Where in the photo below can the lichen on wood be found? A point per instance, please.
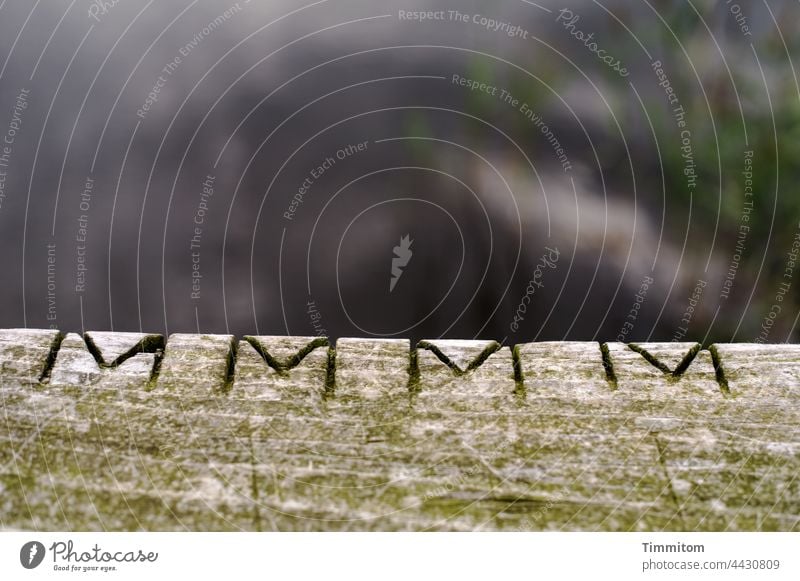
(202, 432)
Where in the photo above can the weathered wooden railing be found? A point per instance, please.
(120, 431)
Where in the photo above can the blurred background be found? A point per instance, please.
(511, 170)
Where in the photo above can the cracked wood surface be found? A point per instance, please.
(127, 431)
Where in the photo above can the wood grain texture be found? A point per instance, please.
(127, 432)
(25, 354)
(113, 360)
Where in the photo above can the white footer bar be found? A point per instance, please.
(389, 556)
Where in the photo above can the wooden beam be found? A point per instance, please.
(129, 432)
